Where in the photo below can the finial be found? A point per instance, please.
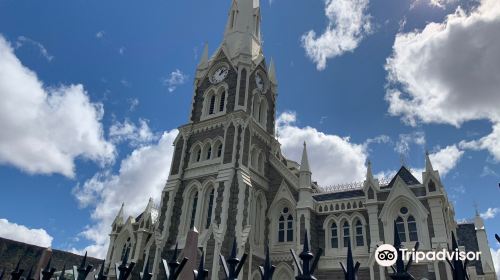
(304, 163)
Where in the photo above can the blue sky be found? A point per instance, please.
(110, 81)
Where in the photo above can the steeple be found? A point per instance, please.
(369, 174)
(272, 73)
(119, 217)
(242, 35)
(304, 163)
(428, 164)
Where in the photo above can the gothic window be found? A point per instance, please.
(211, 107)
(210, 208)
(371, 194)
(194, 205)
(285, 226)
(412, 228)
(126, 247)
(407, 226)
(320, 208)
(400, 224)
(346, 234)
(221, 101)
(348, 205)
(432, 186)
(334, 240)
(360, 241)
(207, 151)
(218, 146)
(261, 162)
(196, 154)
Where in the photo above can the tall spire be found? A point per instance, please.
(242, 35)
(428, 164)
(369, 174)
(119, 216)
(272, 72)
(304, 163)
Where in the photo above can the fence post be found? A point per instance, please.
(173, 269)
(235, 265)
(458, 268)
(307, 270)
(17, 273)
(401, 271)
(267, 270)
(352, 269)
(101, 275)
(124, 269)
(48, 271)
(83, 271)
(201, 273)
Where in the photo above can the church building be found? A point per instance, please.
(229, 179)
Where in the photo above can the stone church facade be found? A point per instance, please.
(229, 179)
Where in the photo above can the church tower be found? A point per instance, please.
(218, 181)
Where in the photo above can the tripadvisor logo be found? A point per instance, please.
(386, 255)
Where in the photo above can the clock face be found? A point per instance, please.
(220, 74)
(259, 81)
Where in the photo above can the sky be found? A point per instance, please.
(93, 91)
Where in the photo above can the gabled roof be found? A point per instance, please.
(338, 195)
(406, 176)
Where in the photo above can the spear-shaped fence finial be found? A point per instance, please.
(83, 270)
(306, 270)
(232, 267)
(497, 237)
(17, 273)
(48, 271)
(352, 269)
(100, 275)
(267, 271)
(174, 268)
(201, 273)
(124, 269)
(400, 272)
(458, 267)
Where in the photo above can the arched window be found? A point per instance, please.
(285, 226)
(335, 235)
(209, 153)
(432, 186)
(346, 234)
(400, 224)
(210, 208)
(194, 205)
(211, 107)
(255, 158)
(371, 194)
(261, 162)
(360, 241)
(196, 156)
(222, 100)
(218, 146)
(412, 228)
(320, 208)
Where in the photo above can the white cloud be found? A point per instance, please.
(141, 175)
(487, 171)
(446, 159)
(100, 34)
(496, 260)
(22, 40)
(21, 233)
(490, 213)
(333, 159)
(175, 79)
(449, 73)
(44, 129)
(128, 131)
(348, 24)
(405, 140)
